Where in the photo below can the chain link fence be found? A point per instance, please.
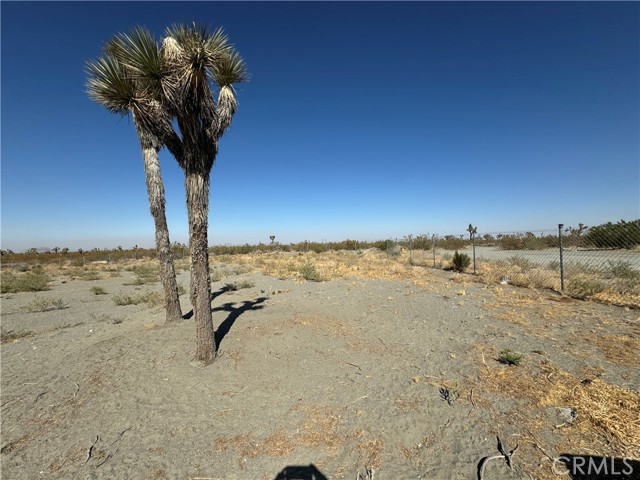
(602, 263)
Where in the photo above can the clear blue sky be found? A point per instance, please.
(361, 120)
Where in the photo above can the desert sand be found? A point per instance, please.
(353, 377)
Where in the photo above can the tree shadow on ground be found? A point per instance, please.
(214, 295)
(234, 313)
(300, 472)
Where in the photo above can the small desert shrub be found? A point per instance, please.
(10, 336)
(90, 275)
(460, 261)
(622, 270)
(98, 291)
(105, 317)
(45, 305)
(217, 275)
(449, 394)
(153, 299)
(239, 285)
(451, 242)
(520, 261)
(576, 268)
(28, 282)
(308, 271)
(393, 250)
(583, 287)
(508, 357)
(122, 300)
(238, 269)
(181, 289)
(528, 241)
(145, 274)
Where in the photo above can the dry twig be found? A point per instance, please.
(503, 454)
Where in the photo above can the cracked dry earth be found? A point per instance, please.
(398, 376)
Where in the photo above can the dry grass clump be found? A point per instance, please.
(623, 350)
(36, 281)
(604, 409)
(39, 304)
(535, 277)
(11, 336)
(277, 444)
(320, 428)
(152, 299)
(369, 452)
(370, 264)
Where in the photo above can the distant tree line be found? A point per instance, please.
(619, 235)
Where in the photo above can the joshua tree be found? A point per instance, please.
(121, 89)
(198, 63)
(177, 82)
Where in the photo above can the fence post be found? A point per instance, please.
(433, 248)
(560, 225)
(473, 240)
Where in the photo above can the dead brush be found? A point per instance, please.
(605, 410)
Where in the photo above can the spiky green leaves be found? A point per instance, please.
(230, 69)
(109, 84)
(139, 53)
(176, 80)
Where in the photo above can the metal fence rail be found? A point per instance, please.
(599, 263)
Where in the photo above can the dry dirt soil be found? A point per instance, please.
(347, 378)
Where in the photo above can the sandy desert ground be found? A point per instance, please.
(383, 370)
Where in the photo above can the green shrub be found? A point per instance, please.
(308, 271)
(451, 242)
(520, 261)
(622, 234)
(622, 270)
(98, 291)
(460, 261)
(393, 250)
(153, 299)
(145, 274)
(527, 241)
(583, 287)
(217, 275)
(27, 282)
(508, 357)
(45, 305)
(239, 285)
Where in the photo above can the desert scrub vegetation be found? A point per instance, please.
(622, 234)
(308, 271)
(460, 261)
(105, 317)
(144, 274)
(239, 285)
(508, 357)
(135, 299)
(11, 336)
(45, 305)
(98, 291)
(36, 281)
(527, 241)
(151, 298)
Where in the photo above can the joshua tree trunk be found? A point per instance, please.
(155, 191)
(197, 190)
